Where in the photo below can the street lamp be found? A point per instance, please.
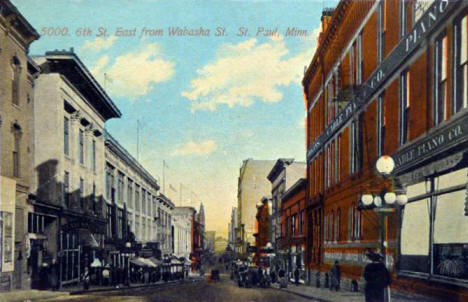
(385, 199)
(384, 202)
(127, 253)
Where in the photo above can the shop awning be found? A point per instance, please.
(138, 261)
(87, 239)
(96, 263)
(155, 261)
(37, 236)
(148, 262)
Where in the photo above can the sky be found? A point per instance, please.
(203, 104)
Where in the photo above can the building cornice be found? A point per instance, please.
(120, 151)
(336, 19)
(12, 18)
(299, 185)
(69, 64)
(278, 167)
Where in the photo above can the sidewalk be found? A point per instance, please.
(77, 290)
(325, 295)
(41, 295)
(30, 295)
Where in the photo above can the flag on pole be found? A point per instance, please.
(165, 164)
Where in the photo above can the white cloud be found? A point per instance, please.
(193, 148)
(100, 43)
(99, 68)
(134, 74)
(248, 71)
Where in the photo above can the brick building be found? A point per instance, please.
(262, 227)
(18, 73)
(390, 77)
(293, 228)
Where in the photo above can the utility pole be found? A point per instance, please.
(180, 194)
(164, 177)
(138, 139)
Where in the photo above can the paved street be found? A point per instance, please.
(225, 291)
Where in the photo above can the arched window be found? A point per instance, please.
(337, 224)
(351, 222)
(357, 224)
(15, 81)
(325, 228)
(16, 129)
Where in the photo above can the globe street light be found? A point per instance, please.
(385, 165)
(385, 201)
(127, 253)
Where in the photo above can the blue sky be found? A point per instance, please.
(204, 103)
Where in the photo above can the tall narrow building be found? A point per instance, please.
(17, 77)
(69, 164)
(252, 186)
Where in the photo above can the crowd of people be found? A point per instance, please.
(110, 275)
(375, 274)
(249, 276)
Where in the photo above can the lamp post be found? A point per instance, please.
(127, 253)
(384, 203)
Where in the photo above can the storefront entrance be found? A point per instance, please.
(69, 255)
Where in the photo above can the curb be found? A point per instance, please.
(111, 289)
(301, 294)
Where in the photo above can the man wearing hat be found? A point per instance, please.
(377, 278)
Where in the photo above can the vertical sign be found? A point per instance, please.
(7, 212)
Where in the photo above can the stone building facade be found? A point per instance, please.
(165, 228)
(18, 73)
(68, 186)
(252, 186)
(183, 225)
(282, 176)
(131, 203)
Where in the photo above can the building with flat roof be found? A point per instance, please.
(252, 186)
(390, 78)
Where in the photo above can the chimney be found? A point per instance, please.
(326, 21)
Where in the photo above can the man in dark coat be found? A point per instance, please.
(53, 275)
(335, 276)
(296, 276)
(377, 278)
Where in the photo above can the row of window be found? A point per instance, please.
(293, 225)
(67, 196)
(81, 145)
(349, 72)
(147, 204)
(332, 225)
(443, 108)
(117, 227)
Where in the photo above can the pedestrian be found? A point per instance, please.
(86, 279)
(377, 278)
(106, 275)
(273, 276)
(296, 276)
(335, 276)
(53, 278)
(43, 275)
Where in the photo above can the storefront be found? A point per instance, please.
(434, 231)
(433, 245)
(81, 242)
(7, 231)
